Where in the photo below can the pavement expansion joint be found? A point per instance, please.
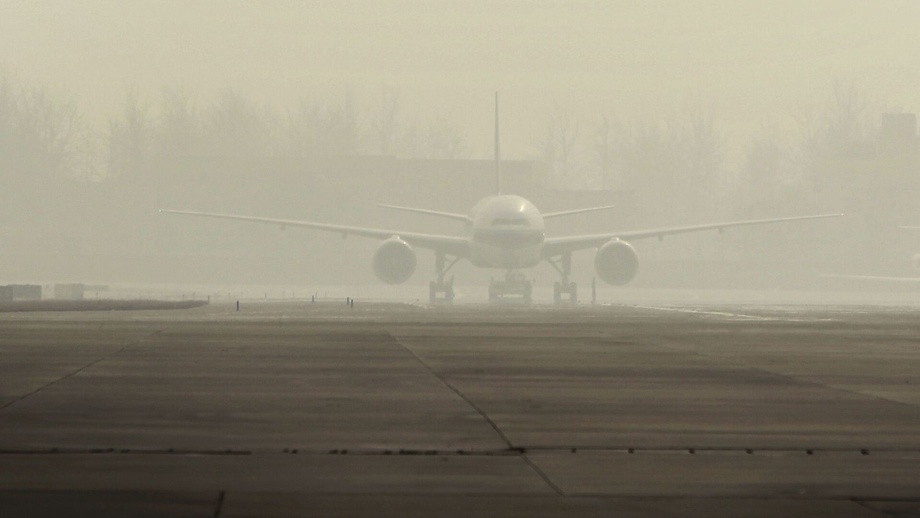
(710, 449)
(83, 368)
(219, 506)
(121, 451)
(504, 452)
(456, 391)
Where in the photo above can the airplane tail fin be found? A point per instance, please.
(498, 153)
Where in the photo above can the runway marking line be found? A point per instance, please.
(732, 316)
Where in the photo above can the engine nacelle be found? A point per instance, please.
(616, 262)
(915, 262)
(394, 261)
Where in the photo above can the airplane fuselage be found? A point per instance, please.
(506, 231)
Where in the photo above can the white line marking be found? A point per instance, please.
(733, 316)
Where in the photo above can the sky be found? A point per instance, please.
(747, 60)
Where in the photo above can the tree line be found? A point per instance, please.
(679, 164)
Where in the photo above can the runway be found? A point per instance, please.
(300, 409)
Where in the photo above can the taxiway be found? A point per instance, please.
(299, 409)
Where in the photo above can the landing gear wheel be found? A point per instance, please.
(440, 286)
(445, 289)
(563, 265)
(560, 289)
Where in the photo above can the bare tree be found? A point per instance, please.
(605, 147)
(829, 142)
(763, 171)
(179, 129)
(45, 133)
(701, 151)
(442, 140)
(89, 155)
(558, 148)
(848, 122)
(322, 130)
(301, 130)
(339, 131)
(236, 127)
(651, 163)
(129, 138)
(386, 123)
(8, 116)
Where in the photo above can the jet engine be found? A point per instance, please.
(616, 262)
(394, 261)
(915, 262)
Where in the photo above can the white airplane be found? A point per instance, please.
(505, 232)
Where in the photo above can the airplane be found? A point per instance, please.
(503, 231)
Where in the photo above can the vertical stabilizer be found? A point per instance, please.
(498, 153)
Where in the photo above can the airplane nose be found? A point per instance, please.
(509, 238)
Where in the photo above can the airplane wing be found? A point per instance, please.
(450, 215)
(464, 217)
(458, 246)
(561, 245)
(550, 215)
(874, 278)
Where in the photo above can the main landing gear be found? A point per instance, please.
(441, 291)
(565, 287)
(515, 285)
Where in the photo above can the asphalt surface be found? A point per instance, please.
(300, 409)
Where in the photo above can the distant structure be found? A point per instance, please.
(879, 190)
(70, 291)
(13, 292)
(75, 291)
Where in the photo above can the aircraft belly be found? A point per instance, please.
(487, 256)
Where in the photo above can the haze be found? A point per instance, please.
(753, 74)
(747, 58)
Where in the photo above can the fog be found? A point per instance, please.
(676, 112)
